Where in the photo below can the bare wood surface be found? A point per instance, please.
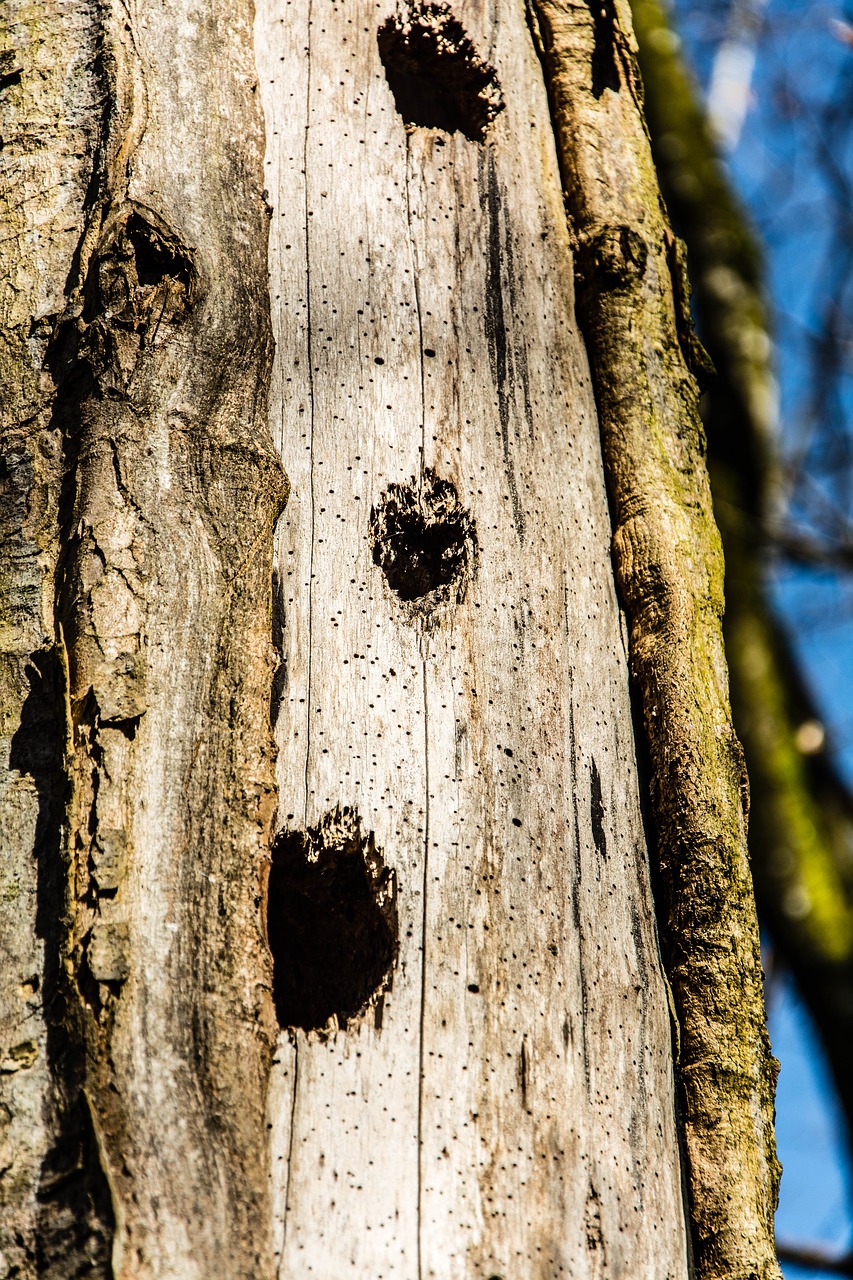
(513, 1113)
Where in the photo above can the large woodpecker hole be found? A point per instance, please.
(331, 923)
(438, 79)
(423, 539)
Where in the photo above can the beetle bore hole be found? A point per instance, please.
(331, 922)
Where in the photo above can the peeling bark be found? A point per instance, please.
(54, 1214)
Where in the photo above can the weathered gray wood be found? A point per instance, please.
(514, 1114)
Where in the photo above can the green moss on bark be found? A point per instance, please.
(669, 570)
(801, 822)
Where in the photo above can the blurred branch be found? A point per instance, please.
(801, 820)
(799, 548)
(731, 75)
(814, 1259)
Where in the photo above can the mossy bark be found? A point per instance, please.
(632, 305)
(801, 822)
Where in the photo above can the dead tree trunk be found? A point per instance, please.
(454, 673)
(457, 1059)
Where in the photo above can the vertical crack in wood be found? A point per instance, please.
(310, 355)
(424, 883)
(424, 641)
(280, 1271)
(496, 327)
(310, 646)
(418, 313)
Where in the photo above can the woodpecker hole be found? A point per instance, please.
(435, 74)
(331, 923)
(423, 539)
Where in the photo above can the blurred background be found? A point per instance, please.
(750, 108)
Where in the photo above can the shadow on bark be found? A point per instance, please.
(75, 1214)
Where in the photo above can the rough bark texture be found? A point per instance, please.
(149, 631)
(452, 669)
(49, 1203)
(475, 1076)
(801, 816)
(633, 307)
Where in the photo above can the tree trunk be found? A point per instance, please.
(512, 1112)
(139, 992)
(473, 1071)
(801, 818)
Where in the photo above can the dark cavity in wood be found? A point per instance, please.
(331, 922)
(423, 539)
(140, 272)
(435, 74)
(605, 68)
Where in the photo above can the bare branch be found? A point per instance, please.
(815, 1258)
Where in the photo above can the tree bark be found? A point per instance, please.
(472, 1072)
(146, 632)
(801, 816)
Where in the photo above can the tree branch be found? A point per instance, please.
(815, 1259)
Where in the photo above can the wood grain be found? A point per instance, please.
(513, 1115)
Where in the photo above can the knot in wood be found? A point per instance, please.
(612, 258)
